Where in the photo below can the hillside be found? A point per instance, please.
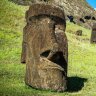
(11, 26)
(77, 11)
(82, 57)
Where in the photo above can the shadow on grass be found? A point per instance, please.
(75, 84)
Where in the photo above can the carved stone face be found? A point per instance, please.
(93, 34)
(46, 52)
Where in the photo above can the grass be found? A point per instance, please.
(81, 66)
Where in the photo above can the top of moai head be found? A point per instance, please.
(45, 9)
(94, 26)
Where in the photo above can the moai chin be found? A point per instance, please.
(45, 48)
(93, 34)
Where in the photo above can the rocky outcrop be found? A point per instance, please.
(79, 32)
(79, 11)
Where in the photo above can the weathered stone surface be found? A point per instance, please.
(93, 34)
(46, 48)
(79, 32)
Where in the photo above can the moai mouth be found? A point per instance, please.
(46, 47)
(56, 58)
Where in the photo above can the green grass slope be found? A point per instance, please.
(82, 54)
(11, 25)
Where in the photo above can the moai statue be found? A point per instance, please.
(93, 34)
(45, 48)
(79, 32)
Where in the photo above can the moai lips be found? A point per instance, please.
(46, 48)
(93, 34)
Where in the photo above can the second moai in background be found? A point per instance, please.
(93, 34)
